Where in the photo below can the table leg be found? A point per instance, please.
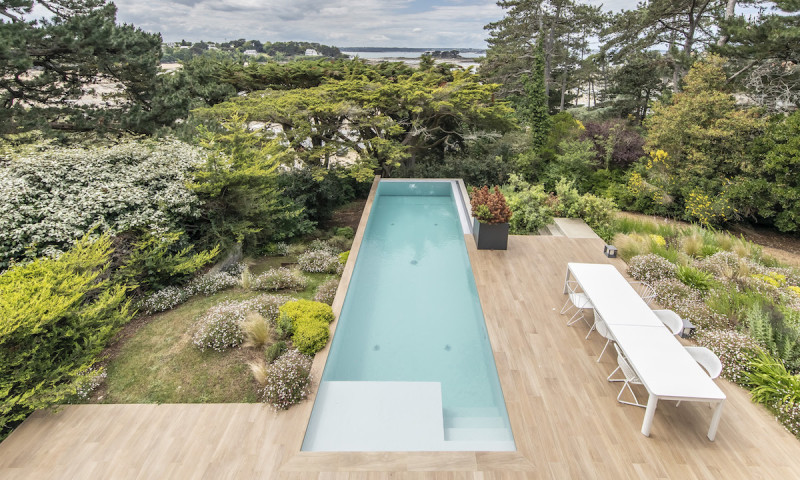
(712, 430)
(566, 280)
(649, 413)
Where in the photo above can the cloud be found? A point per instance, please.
(411, 23)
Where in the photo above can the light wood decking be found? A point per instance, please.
(566, 421)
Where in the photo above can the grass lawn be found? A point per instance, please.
(157, 362)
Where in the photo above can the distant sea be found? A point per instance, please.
(412, 57)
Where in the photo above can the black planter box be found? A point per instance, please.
(490, 236)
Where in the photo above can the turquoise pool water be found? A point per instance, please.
(412, 314)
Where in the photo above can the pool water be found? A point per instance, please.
(412, 314)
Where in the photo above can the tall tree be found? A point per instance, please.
(678, 25)
(561, 26)
(763, 50)
(532, 106)
(76, 70)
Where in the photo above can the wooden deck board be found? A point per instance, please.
(563, 412)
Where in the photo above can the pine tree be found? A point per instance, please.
(49, 67)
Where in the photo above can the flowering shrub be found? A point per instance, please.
(319, 261)
(51, 198)
(268, 306)
(213, 283)
(320, 246)
(279, 279)
(722, 265)
(326, 291)
(287, 380)
(687, 302)
(220, 327)
(650, 268)
(735, 351)
(164, 299)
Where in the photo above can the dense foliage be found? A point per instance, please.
(51, 197)
(56, 316)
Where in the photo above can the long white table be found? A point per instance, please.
(612, 296)
(662, 364)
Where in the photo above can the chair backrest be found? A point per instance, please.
(601, 327)
(624, 366)
(671, 320)
(707, 359)
(645, 291)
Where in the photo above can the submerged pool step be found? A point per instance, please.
(482, 435)
(474, 422)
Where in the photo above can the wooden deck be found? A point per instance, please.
(566, 421)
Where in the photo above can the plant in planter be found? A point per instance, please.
(492, 214)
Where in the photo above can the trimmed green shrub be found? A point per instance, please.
(343, 257)
(309, 324)
(310, 335)
(529, 204)
(297, 309)
(56, 316)
(284, 326)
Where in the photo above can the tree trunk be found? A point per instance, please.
(563, 90)
(730, 7)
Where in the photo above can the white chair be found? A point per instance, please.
(602, 329)
(630, 378)
(707, 359)
(645, 291)
(671, 320)
(577, 300)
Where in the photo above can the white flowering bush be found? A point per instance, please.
(650, 268)
(319, 261)
(268, 306)
(210, 284)
(220, 327)
(164, 299)
(321, 246)
(687, 302)
(327, 291)
(723, 264)
(281, 278)
(735, 350)
(287, 380)
(51, 198)
(788, 413)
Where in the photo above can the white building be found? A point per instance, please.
(250, 52)
(310, 52)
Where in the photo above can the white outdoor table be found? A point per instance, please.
(613, 297)
(667, 371)
(663, 365)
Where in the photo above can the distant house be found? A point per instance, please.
(213, 47)
(250, 52)
(310, 52)
(184, 47)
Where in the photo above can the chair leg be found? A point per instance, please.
(604, 350)
(566, 306)
(615, 379)
(591, 329)
(635, 400)
(577, 316)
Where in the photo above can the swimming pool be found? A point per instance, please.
(410, 366)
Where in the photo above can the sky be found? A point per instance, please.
(342, 23)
